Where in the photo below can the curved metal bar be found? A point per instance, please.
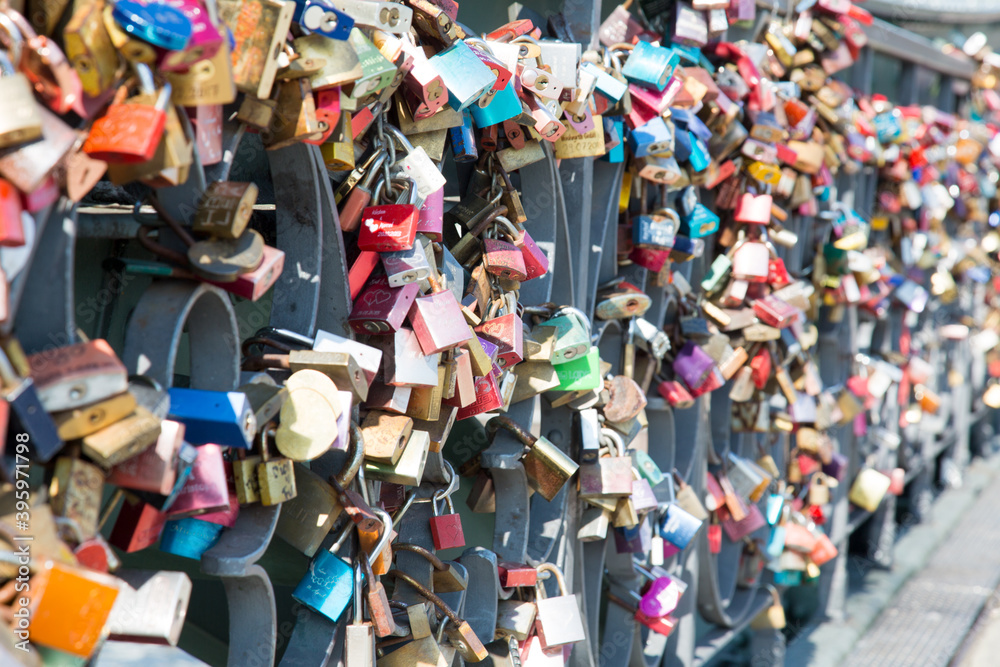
(334, 292)
(39, 322)
(18, 283)
(252, 619)
(484, 587)
(154, 332)
(719, 600)
(299, 225)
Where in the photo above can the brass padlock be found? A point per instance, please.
(275, 477)
(548, 468)
(225, 209)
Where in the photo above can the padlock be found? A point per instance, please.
(515, 618)
(225, 209)
(869, 487)
(205, 490)
(359, 639)
(406, 266)
(72, 376)
(325, 18)
(87, 419)
(446, 530)
(126, 438)
(409, 468)
(611, 475)
(131, 129)
(548, 468)
(78, 628)
(464, 74)
(308, 424)
(679, 526)
(89, 48)
(558, 621)
(189, 537)
(657, 231)
(151, 607)
(385, 435)
(76, 493)
(507, 332)
(753, 209)
(259, 28)
(275, 477)
(380, 308)
(223, 418)
(388, 227)
(772, 618)
(328, 585)
(650, 66)
(437, 320)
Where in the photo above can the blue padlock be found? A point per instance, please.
(775, 542)
(635, 540)
(700, 223)
(189, 537)
(656, 232)
(322, 17)
(465, 76)
(887, 126)
(775, 504)
(699, 158)
(788, 578)
(463, 140)
(613, 129)
(686, 248)
(219, 417)
(154, 22)
(495, 107)
(682, 145)
(655, 137)
(328, 586)
(685, 119)
(607, 85)
(679, 526)
(650, 66)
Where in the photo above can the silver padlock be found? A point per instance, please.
(559, 619)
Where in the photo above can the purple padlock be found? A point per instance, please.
(636, 540)
(661, 598)
(693, 365)
(737, 530)
(837, 467)
(205, 42)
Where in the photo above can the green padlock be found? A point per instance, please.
(580, 374)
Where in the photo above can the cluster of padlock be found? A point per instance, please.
(726, 145)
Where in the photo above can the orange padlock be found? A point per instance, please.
(70, 607)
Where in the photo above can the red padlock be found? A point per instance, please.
(753, 209)
(487, 398)
(507, 331)
(760, 367)
(390, 227)
(714, 535)
(131, 129)
(11, 229)
(502, 258)
(446, 529)
(777, 274)
(676, 394)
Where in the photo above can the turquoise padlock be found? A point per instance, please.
(650, 66)
(788, 578)
(189, 537)
(496, 107)
(328, 586)
(775, 542)
(775, 503)
(699, 158)
(464, 75)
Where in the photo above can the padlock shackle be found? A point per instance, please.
(431, 557)
(293, 336)
(428, 594)
(355, 456)
(264, 340)
(512, 427)
(557, 573)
